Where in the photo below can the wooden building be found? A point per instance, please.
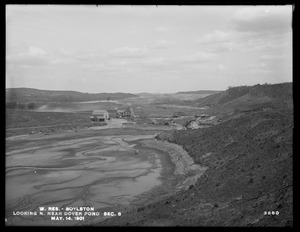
(99, 115)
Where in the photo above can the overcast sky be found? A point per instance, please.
(147, 48)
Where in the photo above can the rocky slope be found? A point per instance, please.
(250, 173)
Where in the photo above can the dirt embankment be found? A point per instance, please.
(184, 164)
(250, 174)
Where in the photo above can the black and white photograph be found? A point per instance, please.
(149, 115)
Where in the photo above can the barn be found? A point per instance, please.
(99, 115)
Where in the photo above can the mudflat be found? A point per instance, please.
(109, 171)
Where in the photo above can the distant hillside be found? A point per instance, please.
(200, 92)
(249, 94)
(25, 95)
(180, 98)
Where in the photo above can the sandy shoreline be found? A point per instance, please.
(179, 178)
(184, 164)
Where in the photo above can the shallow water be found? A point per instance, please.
(99, 172)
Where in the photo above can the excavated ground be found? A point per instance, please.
(250, 173)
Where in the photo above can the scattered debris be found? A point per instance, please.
(206, 155)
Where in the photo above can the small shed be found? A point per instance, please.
(192, 125)
(178, 114)
(99, 115)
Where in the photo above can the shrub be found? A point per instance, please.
(11, 105)
(21, 106)
(30, 106)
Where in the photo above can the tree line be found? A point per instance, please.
(21, 106)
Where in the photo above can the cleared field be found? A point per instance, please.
(153, 111)
(24, 118)
(19, 122)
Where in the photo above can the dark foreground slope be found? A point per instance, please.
(250, 160)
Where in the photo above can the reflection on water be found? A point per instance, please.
(97, 172)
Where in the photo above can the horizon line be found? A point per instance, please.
(143, 91)
(115, 91)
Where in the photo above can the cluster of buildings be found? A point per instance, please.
(103, 115)
(202, 121)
